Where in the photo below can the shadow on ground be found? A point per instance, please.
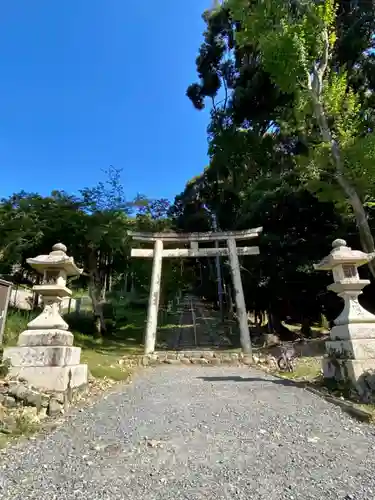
(278, 381)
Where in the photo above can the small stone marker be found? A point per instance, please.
(351, 348)
(45, 355)
(5, 289)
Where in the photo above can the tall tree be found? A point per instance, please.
(93, 225)
(264, 148)
(103, 243)
(298, 44)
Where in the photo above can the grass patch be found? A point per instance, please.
(367, 407)
(316, 329)
(104, 365)
(25, 425)
(102, 355)
(127, 339)
(116, 373)
(306, 369)
(16, 423)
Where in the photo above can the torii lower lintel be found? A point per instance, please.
(189, 252)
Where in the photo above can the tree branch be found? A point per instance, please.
(214, 105)
(226, 94)
(325, 58)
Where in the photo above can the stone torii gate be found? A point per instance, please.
(193, 239)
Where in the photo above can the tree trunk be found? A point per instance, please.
(306, 330)
(230, 301)
(258, 317)
(132, 288)
(364, 230)
(97, 307)
(110, 280)
(274, 323)
(275, 327)
(104, 288)
(96, 292)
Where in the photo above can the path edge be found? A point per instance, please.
(347, 406)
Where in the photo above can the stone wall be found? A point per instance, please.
(18, 393)
(205, 357)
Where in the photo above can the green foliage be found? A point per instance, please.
(103, 355)
(120, 306)
(297, 43)
(16, 323)
(113, 372)
(268, 163)
(4, 367)
(94, 226)
(82, 322)
(25, 425)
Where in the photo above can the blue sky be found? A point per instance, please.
(90, 83)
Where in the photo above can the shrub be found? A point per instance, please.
(82, 322)
(119, 304)
(108, 311)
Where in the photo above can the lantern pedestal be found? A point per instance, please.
(354, 371)
(351, 348)
(350, 352)
(50, 337)
(45, 355)
(49, 378)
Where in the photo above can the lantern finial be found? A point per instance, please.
(339, 243)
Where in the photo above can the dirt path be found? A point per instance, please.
(198, 433)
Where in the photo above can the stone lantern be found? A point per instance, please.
(351, 347)
(45, 355)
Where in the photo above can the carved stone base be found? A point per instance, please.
(51, 337)
(46, 359)
(351, 349)
(353, 371)
(43, 355)
(52, 378)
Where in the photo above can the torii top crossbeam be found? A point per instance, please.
(187, 237)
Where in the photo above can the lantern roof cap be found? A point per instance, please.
(341, 254)
(57, 260)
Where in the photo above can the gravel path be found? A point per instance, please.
(198, 433)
